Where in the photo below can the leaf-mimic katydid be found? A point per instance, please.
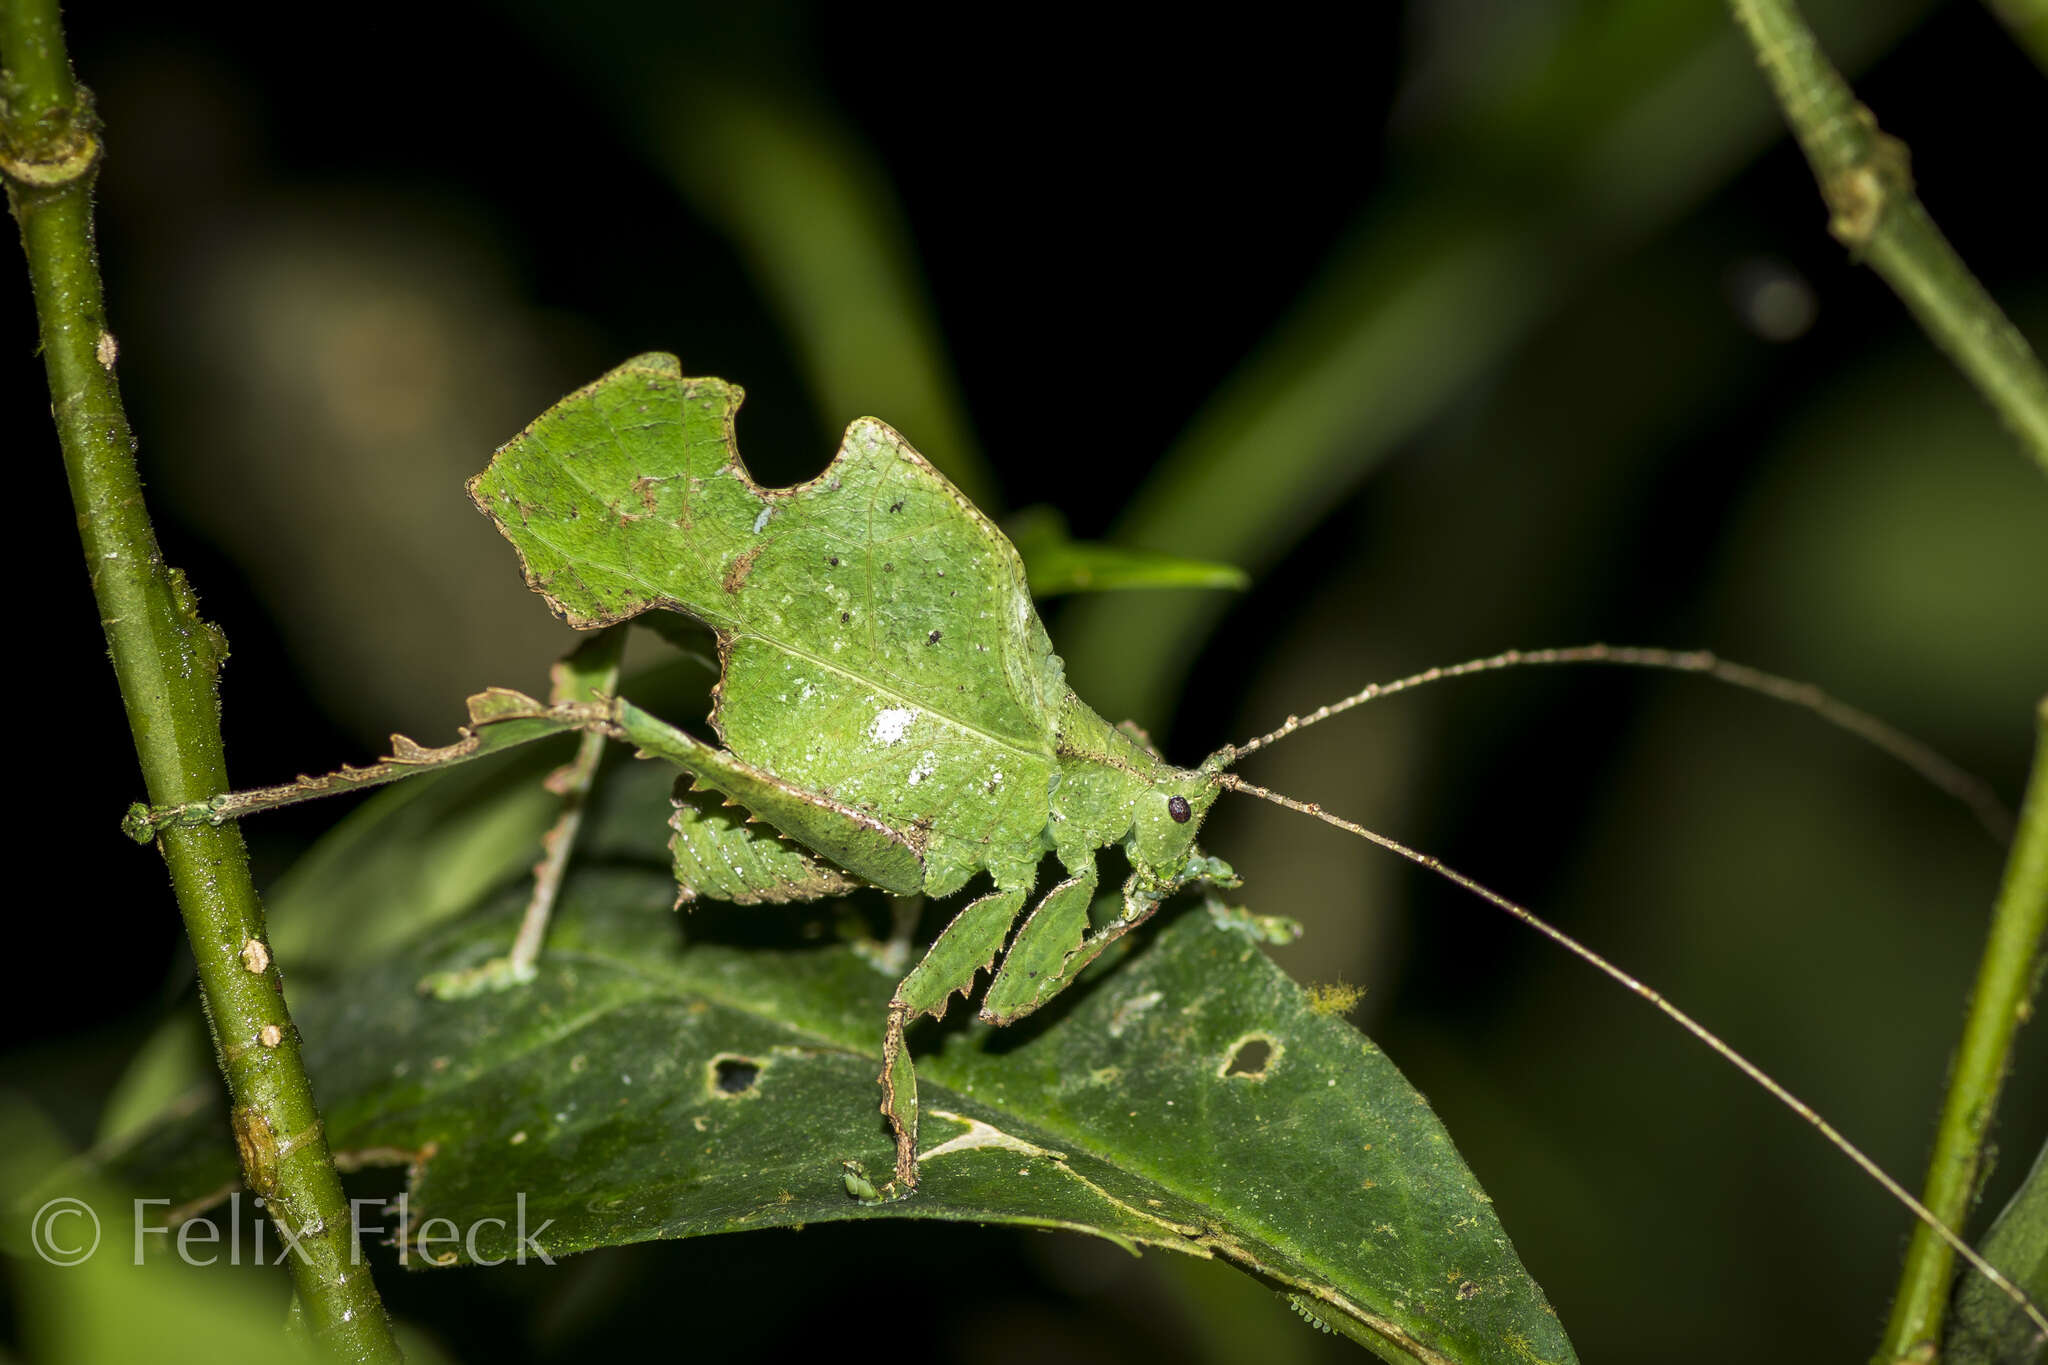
(890, 711)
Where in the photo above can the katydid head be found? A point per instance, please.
(1169, 817)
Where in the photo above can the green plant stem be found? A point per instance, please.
(2001, 1000)
(167, 660)
(1864, 178)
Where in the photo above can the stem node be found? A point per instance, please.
(58, 148)
(1859, 193)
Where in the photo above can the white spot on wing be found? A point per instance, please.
(889, 725)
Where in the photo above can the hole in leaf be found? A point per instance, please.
(732, 1076)
(1250, 1057)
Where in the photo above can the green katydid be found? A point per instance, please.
(891, 712)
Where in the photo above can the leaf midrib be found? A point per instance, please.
(1239, 1218)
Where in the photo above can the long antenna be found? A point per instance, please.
(1232, 782)
(1937, 770)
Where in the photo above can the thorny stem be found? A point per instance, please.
(1930, 765)
(166, 659)
(1864, 178)
(2000, 1002)
(1777, 1091)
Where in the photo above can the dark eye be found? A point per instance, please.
(1177, 807)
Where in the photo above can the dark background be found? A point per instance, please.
(345, 262)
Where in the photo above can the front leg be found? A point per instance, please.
(1056, 943)
(1142, 899)
(1036, 967)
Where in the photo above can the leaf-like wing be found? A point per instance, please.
(640, 1088)
(877, 633)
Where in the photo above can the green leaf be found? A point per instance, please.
(1988, 1328)
(1056, 563)
(646, 1087)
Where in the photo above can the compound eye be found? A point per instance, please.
(1177, 807)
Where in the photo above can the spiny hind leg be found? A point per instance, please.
(968, 945)
(589, 673)
(1140, 904)
(720, 851)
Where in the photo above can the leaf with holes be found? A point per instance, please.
(1191, 1100)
